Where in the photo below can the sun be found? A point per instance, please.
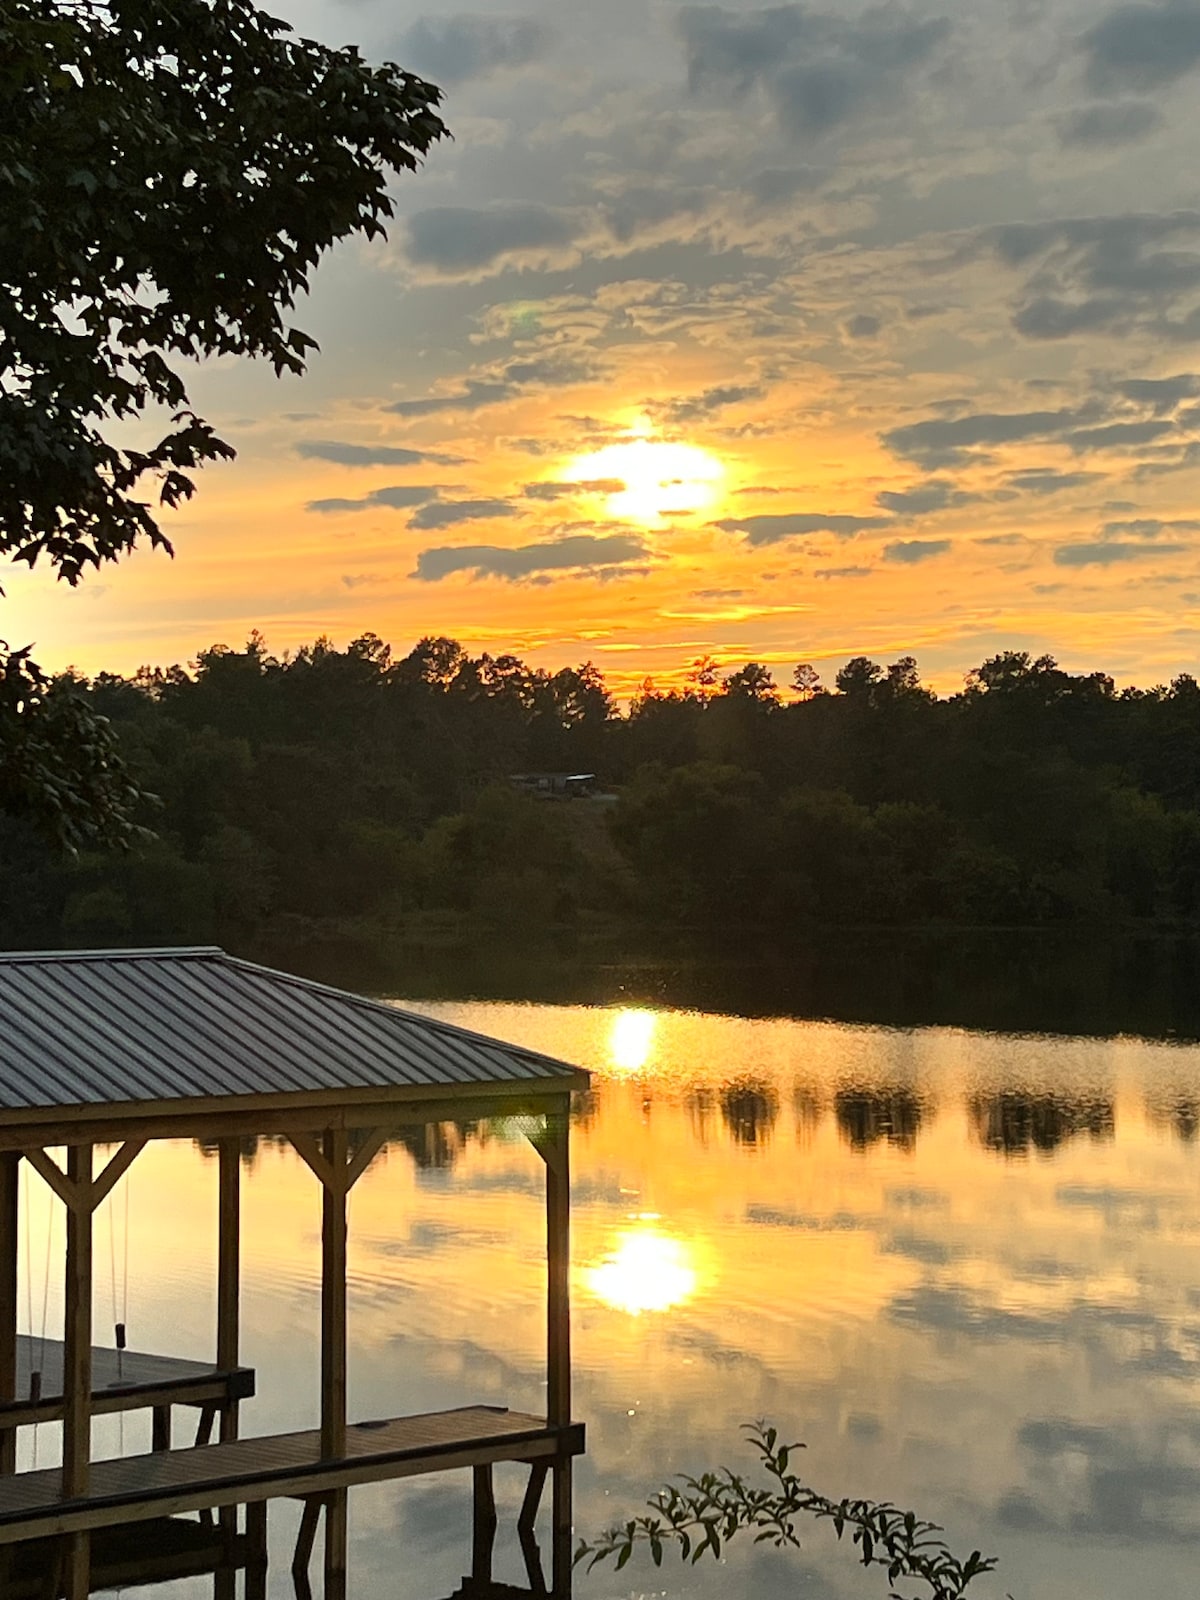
(646, 1270)
(659, 477)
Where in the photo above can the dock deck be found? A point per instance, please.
(138, 1488)
(164, 1551)
(122, 1380)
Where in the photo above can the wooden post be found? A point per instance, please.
(10, 1172)
(333, 1352)
(558, 1332)
(483, 1526)
(229, 1273)
(77, 1359)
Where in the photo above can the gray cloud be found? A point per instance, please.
(1046, 480)
(1108, 125)
(775, 186)
(947, 441)
(371, 455)
(910, 551)
(861, 326)
(460, 241)
(1142, 47)
(935, 494)
(1161, 394)
(697, 406)
(397, 497)
(820, 70)
(448, 513)
(843, 572)
(1107, 553)
(452, 49)
(602, 556)
(1116, 436)
(771, 529)
(475, 394)
(549, 490)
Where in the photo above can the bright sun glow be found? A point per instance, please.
(658, 478)
(631, 1040)
(646, 1271)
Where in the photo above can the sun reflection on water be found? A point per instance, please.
(631, 1040)
(646, 1270)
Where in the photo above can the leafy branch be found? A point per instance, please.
(698, 1514)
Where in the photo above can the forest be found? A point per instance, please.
(355, 794)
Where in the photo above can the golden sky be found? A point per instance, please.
(787, 333)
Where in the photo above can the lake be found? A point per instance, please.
(962, 1266)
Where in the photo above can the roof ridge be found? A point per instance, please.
(160, 953)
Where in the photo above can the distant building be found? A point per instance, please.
(555, 785)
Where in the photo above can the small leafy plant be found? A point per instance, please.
(699, 1514)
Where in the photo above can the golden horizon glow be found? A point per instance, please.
(647, 1270)
(660, 477)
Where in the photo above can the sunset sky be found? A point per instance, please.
(785, 332)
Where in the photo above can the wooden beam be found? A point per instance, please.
(365, 1154)
(483, 1524)
(309, 1151)
(211, 1119)
(52, 1174)
(337, 1509)
(229, 1272)
(10, 1175)
(556, 1150)
(333, 1299)
(116, 1169)
(77, 1357)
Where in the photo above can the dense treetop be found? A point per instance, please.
(352, 788)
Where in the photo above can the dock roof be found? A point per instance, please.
(191, 1028)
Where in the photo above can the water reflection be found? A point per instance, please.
(749, 1111)
(867, 1115)
(1016, 1123)
(631, 1040)
(646, 1270)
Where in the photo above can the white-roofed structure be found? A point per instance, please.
(119, 1047)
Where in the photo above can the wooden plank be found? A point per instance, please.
(77, 1325)
(53, 1175)
(333, 1298)
(10, 1178)
(137, 1488)
(229, 1272)
(365, 1154)
(122, 1380)
(558, 1343)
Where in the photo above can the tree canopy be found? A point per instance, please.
(171, 172)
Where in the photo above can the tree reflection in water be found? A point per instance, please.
(867, 1114)
(1015, 1122)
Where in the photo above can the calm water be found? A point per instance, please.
(962, 1266)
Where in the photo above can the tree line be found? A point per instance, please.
(357, 791)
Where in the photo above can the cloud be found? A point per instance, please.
(448, 513)
(1109, 125)
(1161, 394)
(1117, 436)
(462, 242)
(910, 551)
(475, 394)
(548, 490)
(1150, 527)
(861, 326)
(370, 455)
(775, 186)
(771, 529)
(819, 70)
(1142, 47)
(693, 408)
(947, 441)
(935, 494)
(1047, 480)
(452, 49)
(398, 497)
(1107, 553)
(843, 572)
(604, 556)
